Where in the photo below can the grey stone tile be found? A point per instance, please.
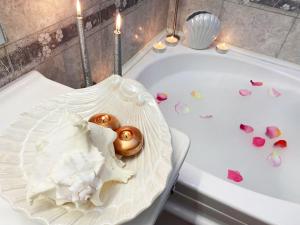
(51, 42)
(292, 11)
(286, 5)
(23, 17)
(54, 69)
(188, 6)
(138, 32)
(291, 48)
(73, 67)
(100, 50)
(5, 68)
(106, 61)
(254, 29)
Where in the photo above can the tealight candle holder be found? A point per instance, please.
(222, 48)
(105, 120)
(159, 47)
(172, 40)
(129, 141)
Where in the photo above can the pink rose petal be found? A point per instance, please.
(182, 108)
(275, 93)
(275, 159)
(245, 92)
(246, 128)
(256, 83)
(258, 141)
(273, 132)
(161, 96)
(206, 116)
(234, 175)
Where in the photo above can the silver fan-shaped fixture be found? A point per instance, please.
(201, 29)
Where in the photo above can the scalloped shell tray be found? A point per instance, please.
(132, 104)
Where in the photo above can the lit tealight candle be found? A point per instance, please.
(172, 40)
(222, 48)
(159, 47)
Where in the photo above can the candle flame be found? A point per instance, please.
(78, 8)
(118, 22)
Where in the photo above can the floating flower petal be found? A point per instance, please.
(196, 95)
(280, 144)
(256, 83)
(275, 159)
(246, 128)
(161, 97)
(206, 116)
(234, 175)
(258, 141)
(245, 92)
(273, 132)
(182, 108)
(274, 93)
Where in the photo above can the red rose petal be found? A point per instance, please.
(234, 175)
(258, 141)
(256, 83)
(161, 97)
(280, 144)
(246, 128)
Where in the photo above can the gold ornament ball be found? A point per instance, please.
(129, 141)
(105, 120)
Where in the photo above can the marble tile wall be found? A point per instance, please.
(43, 36)
(270, 27)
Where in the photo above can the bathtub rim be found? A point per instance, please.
(266, 208)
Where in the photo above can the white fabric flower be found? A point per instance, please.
(44, 38)
(285, 7)
(59, 35)
(46, 51)
(89, 25)
(118, 3)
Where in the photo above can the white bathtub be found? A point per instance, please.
(267, 194)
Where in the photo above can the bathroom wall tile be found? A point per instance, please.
(286, 5)
(54, 69)
(291, 11)
(104, 66)
(54, 49)
(254, 29)
(291, 48)
(23, 17)
(188, 6)
(5, 68)
(73, 67)
(158, 15)
(100, 51)
(141, 31)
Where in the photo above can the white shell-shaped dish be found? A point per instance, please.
(201, 29)
(131, 104)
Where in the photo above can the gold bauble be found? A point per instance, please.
(105, 120)
(129, 141)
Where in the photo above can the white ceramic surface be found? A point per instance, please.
(267, 193)
(132, 104)
(200, 30)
